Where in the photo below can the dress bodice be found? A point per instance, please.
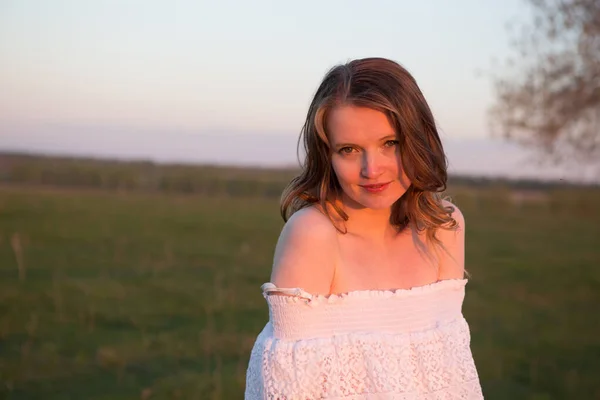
(369, 344)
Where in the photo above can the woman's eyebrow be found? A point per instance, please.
(387, 137)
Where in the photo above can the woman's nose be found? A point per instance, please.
(372, 165)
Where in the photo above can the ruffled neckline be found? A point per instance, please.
(298, 294)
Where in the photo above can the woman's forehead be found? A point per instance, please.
(351, 123)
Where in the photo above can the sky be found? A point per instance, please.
(230, 81)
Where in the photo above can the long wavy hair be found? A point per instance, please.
(382, 85)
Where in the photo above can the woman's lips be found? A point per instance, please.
(377, 188)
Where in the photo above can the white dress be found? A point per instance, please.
(368, 344)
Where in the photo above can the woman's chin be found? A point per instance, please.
(362, 198)
(378, 205)
(374, 203)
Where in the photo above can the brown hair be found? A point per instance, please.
(382, 85)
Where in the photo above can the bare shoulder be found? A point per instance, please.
(452, 260)
(306, 252)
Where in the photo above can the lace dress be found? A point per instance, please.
(372, 344)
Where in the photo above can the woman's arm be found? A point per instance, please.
(452, 257)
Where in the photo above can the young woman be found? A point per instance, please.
(368, 279)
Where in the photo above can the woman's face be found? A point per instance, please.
(366, 157)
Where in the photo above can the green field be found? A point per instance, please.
(128, 295)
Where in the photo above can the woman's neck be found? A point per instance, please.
(367, 223)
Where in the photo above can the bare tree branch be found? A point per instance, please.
(549, 96)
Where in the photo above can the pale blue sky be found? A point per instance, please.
(236, 65)
(168, 80)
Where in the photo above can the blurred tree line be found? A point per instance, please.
(141, 176)
(39, 170)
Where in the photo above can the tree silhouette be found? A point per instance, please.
(548, 97)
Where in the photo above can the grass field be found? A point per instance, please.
(147, 296)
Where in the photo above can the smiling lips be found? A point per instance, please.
(376, 188)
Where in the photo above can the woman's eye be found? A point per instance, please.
(346, 150)
(391, 143)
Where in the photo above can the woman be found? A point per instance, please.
(368, 280)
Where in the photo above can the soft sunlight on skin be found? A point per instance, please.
(366, 158)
